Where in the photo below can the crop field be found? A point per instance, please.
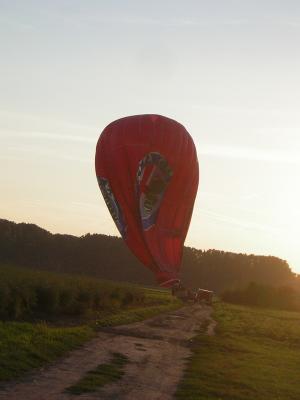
(28, 293)
(254, 354)
(44, 315)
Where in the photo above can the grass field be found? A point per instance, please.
(255, 355)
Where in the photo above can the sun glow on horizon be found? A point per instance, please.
(231, 77)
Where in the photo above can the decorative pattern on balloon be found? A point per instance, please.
(112, 205)
(152, 179)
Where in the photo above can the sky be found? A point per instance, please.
(227, 70)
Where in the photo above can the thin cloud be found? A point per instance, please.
(142, 20)
(214, 108)
(238, 223)
(39, 120)
(19, 152)
(86, 205)
(248, 153)
(132, 20)
(225, 199)
(16, 24)
(52, 136)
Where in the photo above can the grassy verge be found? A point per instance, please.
(155, 303)
(24, 346)
(254, 355)
(105, 373)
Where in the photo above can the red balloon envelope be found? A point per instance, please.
(147, 170)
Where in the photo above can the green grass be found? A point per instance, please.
(254, 355)
(154, 304)
(24, 346)
(105, 373)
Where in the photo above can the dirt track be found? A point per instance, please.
(157, 349)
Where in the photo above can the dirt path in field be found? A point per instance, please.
(157, 350)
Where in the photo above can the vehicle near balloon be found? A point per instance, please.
(204, 296)
(147, 171)
(201, 296)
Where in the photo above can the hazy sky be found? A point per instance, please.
(227, 70)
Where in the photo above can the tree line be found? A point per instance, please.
(107, 257)
(259, 295)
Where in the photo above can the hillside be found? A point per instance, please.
(108, 257)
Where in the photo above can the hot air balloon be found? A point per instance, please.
(147, 171)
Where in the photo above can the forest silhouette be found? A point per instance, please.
(107, 257)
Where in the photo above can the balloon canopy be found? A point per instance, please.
(147, 170)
